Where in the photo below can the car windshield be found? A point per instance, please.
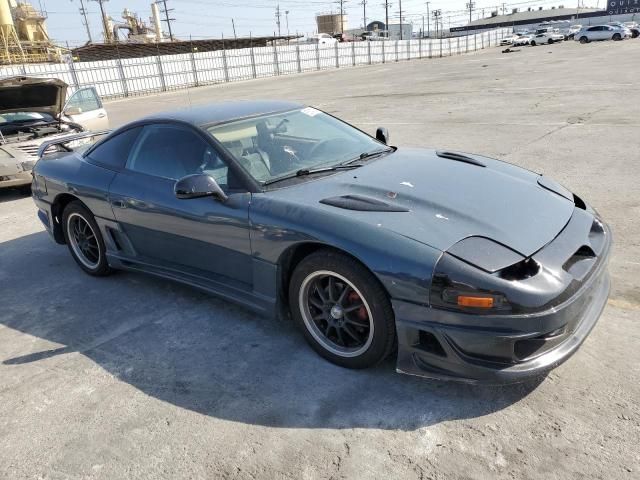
(25, 117)
(278, 145)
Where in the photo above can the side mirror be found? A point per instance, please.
(73, 111)
(198, 185)
(382, 134)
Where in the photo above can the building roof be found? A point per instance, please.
(534, 15)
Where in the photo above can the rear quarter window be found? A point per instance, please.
(113, 152)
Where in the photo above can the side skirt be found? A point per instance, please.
(258, 303)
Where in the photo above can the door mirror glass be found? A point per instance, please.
(382, 135)
(198, 185)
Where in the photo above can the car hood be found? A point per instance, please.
(27, 94)
(440, 201)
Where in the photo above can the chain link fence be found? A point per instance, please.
(141, 76)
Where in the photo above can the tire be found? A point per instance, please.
(550, 41)
(533, 43)
(344, 313)
(616, 37)
(584, 40)
(84, 239)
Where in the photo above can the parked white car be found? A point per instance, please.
(602, 32)
(573, 29)
(546, 36)
(323, 39)
(523, 40)
(509, 40)
(33, 111)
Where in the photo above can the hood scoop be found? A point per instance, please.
(362, 204)
(459, 157)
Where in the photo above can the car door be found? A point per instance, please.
(85, 108)
(200, 236)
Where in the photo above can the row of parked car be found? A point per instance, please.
(583, 34)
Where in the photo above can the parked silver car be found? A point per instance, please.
(602, 32)
(32, 111)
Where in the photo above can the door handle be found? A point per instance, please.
(119, 204)
(101, 115)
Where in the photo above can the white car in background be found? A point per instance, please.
(573, 29)
(33, 111)
(509, 40)
(323, 39)
(546, 36)
(602, 32)
(523, 40)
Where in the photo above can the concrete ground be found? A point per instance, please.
(134, 377)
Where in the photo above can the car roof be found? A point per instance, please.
(222, 112)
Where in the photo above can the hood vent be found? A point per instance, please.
(459, 157)
(362, 204)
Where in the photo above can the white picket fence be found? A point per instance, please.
(146, 75)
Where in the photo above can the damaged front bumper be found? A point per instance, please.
(500, 349)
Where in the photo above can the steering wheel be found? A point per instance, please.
(325, 145)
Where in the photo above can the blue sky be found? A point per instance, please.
(212, 18)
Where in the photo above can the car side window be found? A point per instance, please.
(86, 100)
(114, 151)
(173, 152)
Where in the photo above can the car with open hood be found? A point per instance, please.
(468, 267)
(33, 110)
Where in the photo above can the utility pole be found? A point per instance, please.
(386, 6)
(233, 24)
(364, 13)
(428, 20)
(436, 16)
(105, 26)
(168, 20)
(470, 7)
(504, 8)
(342, 2)
(278, 19)
(85, 22)
(400, 5)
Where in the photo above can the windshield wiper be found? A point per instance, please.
(311, 171)
(367, 155)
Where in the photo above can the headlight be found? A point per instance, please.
(478, 275)
(28, 165)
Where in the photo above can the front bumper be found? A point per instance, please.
(15, 180)
(499, 349)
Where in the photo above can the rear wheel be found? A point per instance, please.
(84, 240)
(342, 310)
(584, 40)
(617, 37)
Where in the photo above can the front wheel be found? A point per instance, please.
(550, 41)
(617, 37)
(84, 240)
(342, 310)
(533, 43)
(584, 40)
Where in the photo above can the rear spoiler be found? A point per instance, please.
(44, 146)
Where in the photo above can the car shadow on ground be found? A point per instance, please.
(203, 354)
(10, 194)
